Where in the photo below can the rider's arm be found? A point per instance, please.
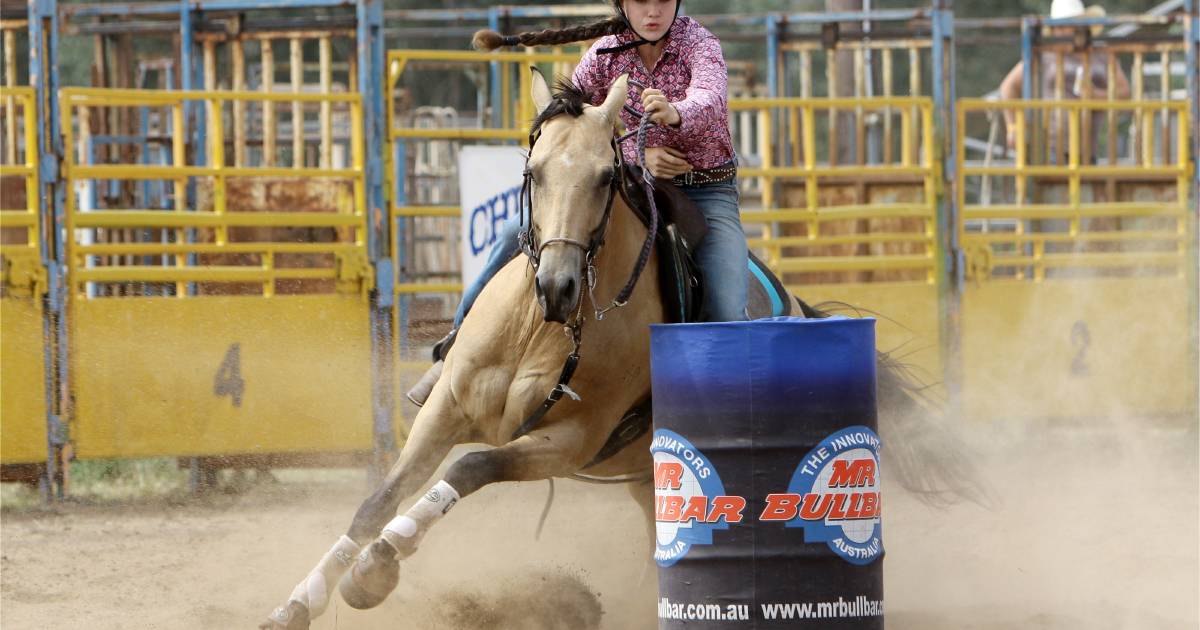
(1010, 90)
(705, 104)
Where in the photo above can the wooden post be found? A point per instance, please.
(831, 77)
(326, 59)
(268, 86)
(1110, 184)
(210, 79)
(239, 106)
(1165, 77)
(1141, 145)
(297, 67)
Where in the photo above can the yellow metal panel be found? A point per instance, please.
(156, 376)
(22, 383)
(1077, 349)
(906, 313)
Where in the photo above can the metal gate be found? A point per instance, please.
(23, 287)
(1079, 235)
(227, 312)
(1076, 304)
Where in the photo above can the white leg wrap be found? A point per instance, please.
(404, 531)
(314, 591)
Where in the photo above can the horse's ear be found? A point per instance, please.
(616, 98)
(541, 91)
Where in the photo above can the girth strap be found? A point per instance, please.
(561, 388)
(631, 427)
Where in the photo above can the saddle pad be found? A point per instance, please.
(765, 295)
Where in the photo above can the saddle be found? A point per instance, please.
(681, 229)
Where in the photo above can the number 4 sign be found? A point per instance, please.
(228, 381)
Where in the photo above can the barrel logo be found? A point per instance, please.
(689, 498)
(834, 495)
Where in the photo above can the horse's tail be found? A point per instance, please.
(926, 455)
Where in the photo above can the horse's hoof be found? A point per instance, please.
(373, 578)
(293, 616)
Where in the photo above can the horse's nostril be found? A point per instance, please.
(537, 286)
(568, 289)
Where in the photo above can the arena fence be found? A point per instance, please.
(23, 402)
(219, 267)
(1079, 264)
(236, 315)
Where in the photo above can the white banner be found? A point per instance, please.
(489, 180)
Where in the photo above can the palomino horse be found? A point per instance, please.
(510, 353)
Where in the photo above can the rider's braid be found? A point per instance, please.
(491, 40)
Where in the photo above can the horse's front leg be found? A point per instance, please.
(436, 430)
(554, 451)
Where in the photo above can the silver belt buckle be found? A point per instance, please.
(687, 178)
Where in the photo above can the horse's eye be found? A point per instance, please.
(607, 178)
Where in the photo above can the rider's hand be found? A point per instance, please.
(665, 162)
(661, 111)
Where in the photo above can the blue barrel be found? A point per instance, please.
(766, 474)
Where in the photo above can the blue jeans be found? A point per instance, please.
(722, 256)
(503, 250)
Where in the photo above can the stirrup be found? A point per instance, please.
(420, 392)
(443, 345)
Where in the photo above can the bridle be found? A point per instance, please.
(532, 247)
(528, 236)
(528, 239)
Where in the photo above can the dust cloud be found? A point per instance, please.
(1094, 527)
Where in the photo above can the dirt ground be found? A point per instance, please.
(1095, 529)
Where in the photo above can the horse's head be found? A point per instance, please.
(572, 172)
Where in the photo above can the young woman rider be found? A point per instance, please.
(682, 67)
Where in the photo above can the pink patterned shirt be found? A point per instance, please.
(692, 75)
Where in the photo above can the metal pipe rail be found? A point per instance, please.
(915, 159)
(174, 262)
(24, 282)
(1035, 236)
(24, 164)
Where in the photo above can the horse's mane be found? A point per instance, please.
(568, 99)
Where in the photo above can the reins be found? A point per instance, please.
(527, 240)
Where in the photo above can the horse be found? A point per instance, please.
(510, 351)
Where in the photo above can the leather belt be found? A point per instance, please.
(722, 173)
